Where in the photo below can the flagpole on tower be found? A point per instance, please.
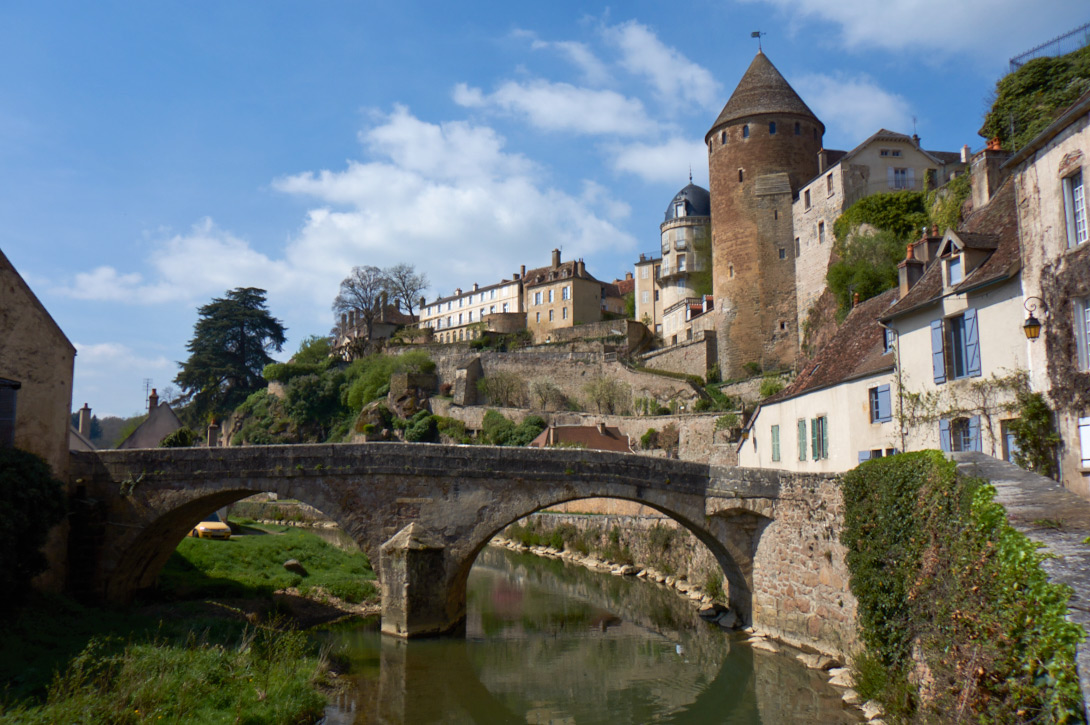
(757, 34)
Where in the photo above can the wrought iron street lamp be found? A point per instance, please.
(1032, 326)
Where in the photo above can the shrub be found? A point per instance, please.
(283, 372)
(649, 439)
(422, 428)
(609, 395)
(771, 385)
(184, 437)
(726, 422)
(1034, 436)
(503, 388)
(753, 368)
(32, 501)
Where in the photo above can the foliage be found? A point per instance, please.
(936, 568)
(770, 385)
(901, 213)
(96, 432)
(503, 388)
(452, 429)
(944, 205)
(313, 350)
(1029, 99)
(405, 284)
(362, 293)
(753, 368)
(184, 437)
(1034, 434)
(283, 372)
(727, 422)
(867, 266)
(498, 430)
(370, 380)
(649, 439)
(423, 427)
(609, 395)
(130, 426)
(548, 394)
(630, 305)
(313, 402)
(32, 501)
(229, 349)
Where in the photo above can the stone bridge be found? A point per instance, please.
(423, 512)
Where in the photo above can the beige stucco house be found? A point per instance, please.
(1050, 175)
(560, 295)
(648, 294)
(465, 314)
(161, 422)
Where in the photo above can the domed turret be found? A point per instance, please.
(690, 201)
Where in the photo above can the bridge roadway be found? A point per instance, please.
(422, 513)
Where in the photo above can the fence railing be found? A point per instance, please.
(1060, 45)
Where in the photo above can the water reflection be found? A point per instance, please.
(548, 642)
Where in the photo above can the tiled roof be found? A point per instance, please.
(624, 286)
(856, 350)
(544, 275)
(994, 226)
(763, 90)
(589, 436)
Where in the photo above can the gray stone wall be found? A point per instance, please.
(693, 357)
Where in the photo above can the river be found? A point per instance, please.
(551, 642)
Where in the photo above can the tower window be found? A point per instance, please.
(739, 176)
(798, 128)
(775, 213)
(731, 271)
(745, 131)
(771, 128)
(783, 253)
(723, 138)
(815, 133)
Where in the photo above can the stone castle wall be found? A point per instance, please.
(692, 357)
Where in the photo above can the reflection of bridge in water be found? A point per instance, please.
(423, 512)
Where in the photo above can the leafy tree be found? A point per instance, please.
(32, 501)
(609, 395)
(230, 347)
(405, 284)
(182, 438)
(503, 388)
(1034, 435)
(630, 305)
(313, 350)
(904, 213)
(868, 265)
(362, 292)
(96, 427)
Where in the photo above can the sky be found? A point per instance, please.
(154, 156)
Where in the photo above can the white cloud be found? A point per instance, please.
(988, 29)
(669, 161)
(674, 77)
(854, 107)
(100, 366)
(594, 71)
(563, 107)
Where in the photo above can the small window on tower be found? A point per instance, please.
(775, 213)
(722, 138)
(771, 128)
(798, 128)
(739, 176)
(783, 325)
(731, 271)
(783, 253)
(745, 131)
(815, 133)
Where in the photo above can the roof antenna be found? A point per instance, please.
(757, 34)
(690, 173)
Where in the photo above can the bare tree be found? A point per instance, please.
(405, 284)
(362, 293)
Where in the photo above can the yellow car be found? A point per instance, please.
(211, 528)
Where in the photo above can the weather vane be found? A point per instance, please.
(757, 34)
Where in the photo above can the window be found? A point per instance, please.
(643, 273)
(459, 318)
(448, 305)
(880, 409)
(771, 128)
(645, 297)
(681, 241)
(829, 184)
(806, 199)
(1082, 332)
(1075, 210)
(538, 317)
(953, 270)
(745, 131)
(471, 299)
(491, 309)
(679, 209)
(656, 295)
(537, 298)
(895, 152)
(802, 439)
(1084, 441)
(723, 138)
(960, 434)
(7, 412)
(887, 340)
(740, 176)
(551, 315)
(564, 313)
(461, 301)
(900, 178)
(492, 294)
(730, 271)
(798, 247)
(775, 443)
(471, 315)
(798, 128)
(550, 295)
(819, 438)
(883, 152)
(783, 253)
(955, 347)
(821, 232)
(450, 322)
(1010, 445)
(681, 263)
(506, 306)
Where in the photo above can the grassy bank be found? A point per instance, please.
(174, 658)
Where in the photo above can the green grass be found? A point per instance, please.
(253, 565)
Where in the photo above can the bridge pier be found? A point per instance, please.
(415, 596)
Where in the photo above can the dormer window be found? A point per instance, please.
(954, 272)
(679, 209)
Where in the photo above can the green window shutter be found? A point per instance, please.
(824, 437)
(775, 443)
(802, 439)
(815, 439)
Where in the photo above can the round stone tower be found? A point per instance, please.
(686, 259)
(761, 149)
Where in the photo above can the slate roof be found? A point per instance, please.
(995, 227)
(698, 202)
(855, 351)
(544, 275)
(762, 90)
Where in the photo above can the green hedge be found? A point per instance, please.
(939, 572)
(32, 502)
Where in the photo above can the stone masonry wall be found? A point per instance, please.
(693, 357)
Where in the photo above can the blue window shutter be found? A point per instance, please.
(864, 456)
(974, 433)
(938, 360)
(885, 409)
(944, 435)
(972, 343)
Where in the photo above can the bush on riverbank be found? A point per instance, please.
(958, 619)
(249, 566)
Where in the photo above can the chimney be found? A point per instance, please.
(84, 426)
(556, 258)
(601, 428)
(627, 276)
(643, 257)
(213, 434)
(153, 401)
(909, 271)
(986, 176)
(580, 269)
(522, 271)
(855, 300)
(823, 160)
(516, 277)
(966, 152)
(475, 286)
(916, 140)
(457, 291)
(422, 303)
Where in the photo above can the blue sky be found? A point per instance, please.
(155, 155)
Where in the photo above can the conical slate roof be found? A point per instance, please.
(697, 202)
(763, 90)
